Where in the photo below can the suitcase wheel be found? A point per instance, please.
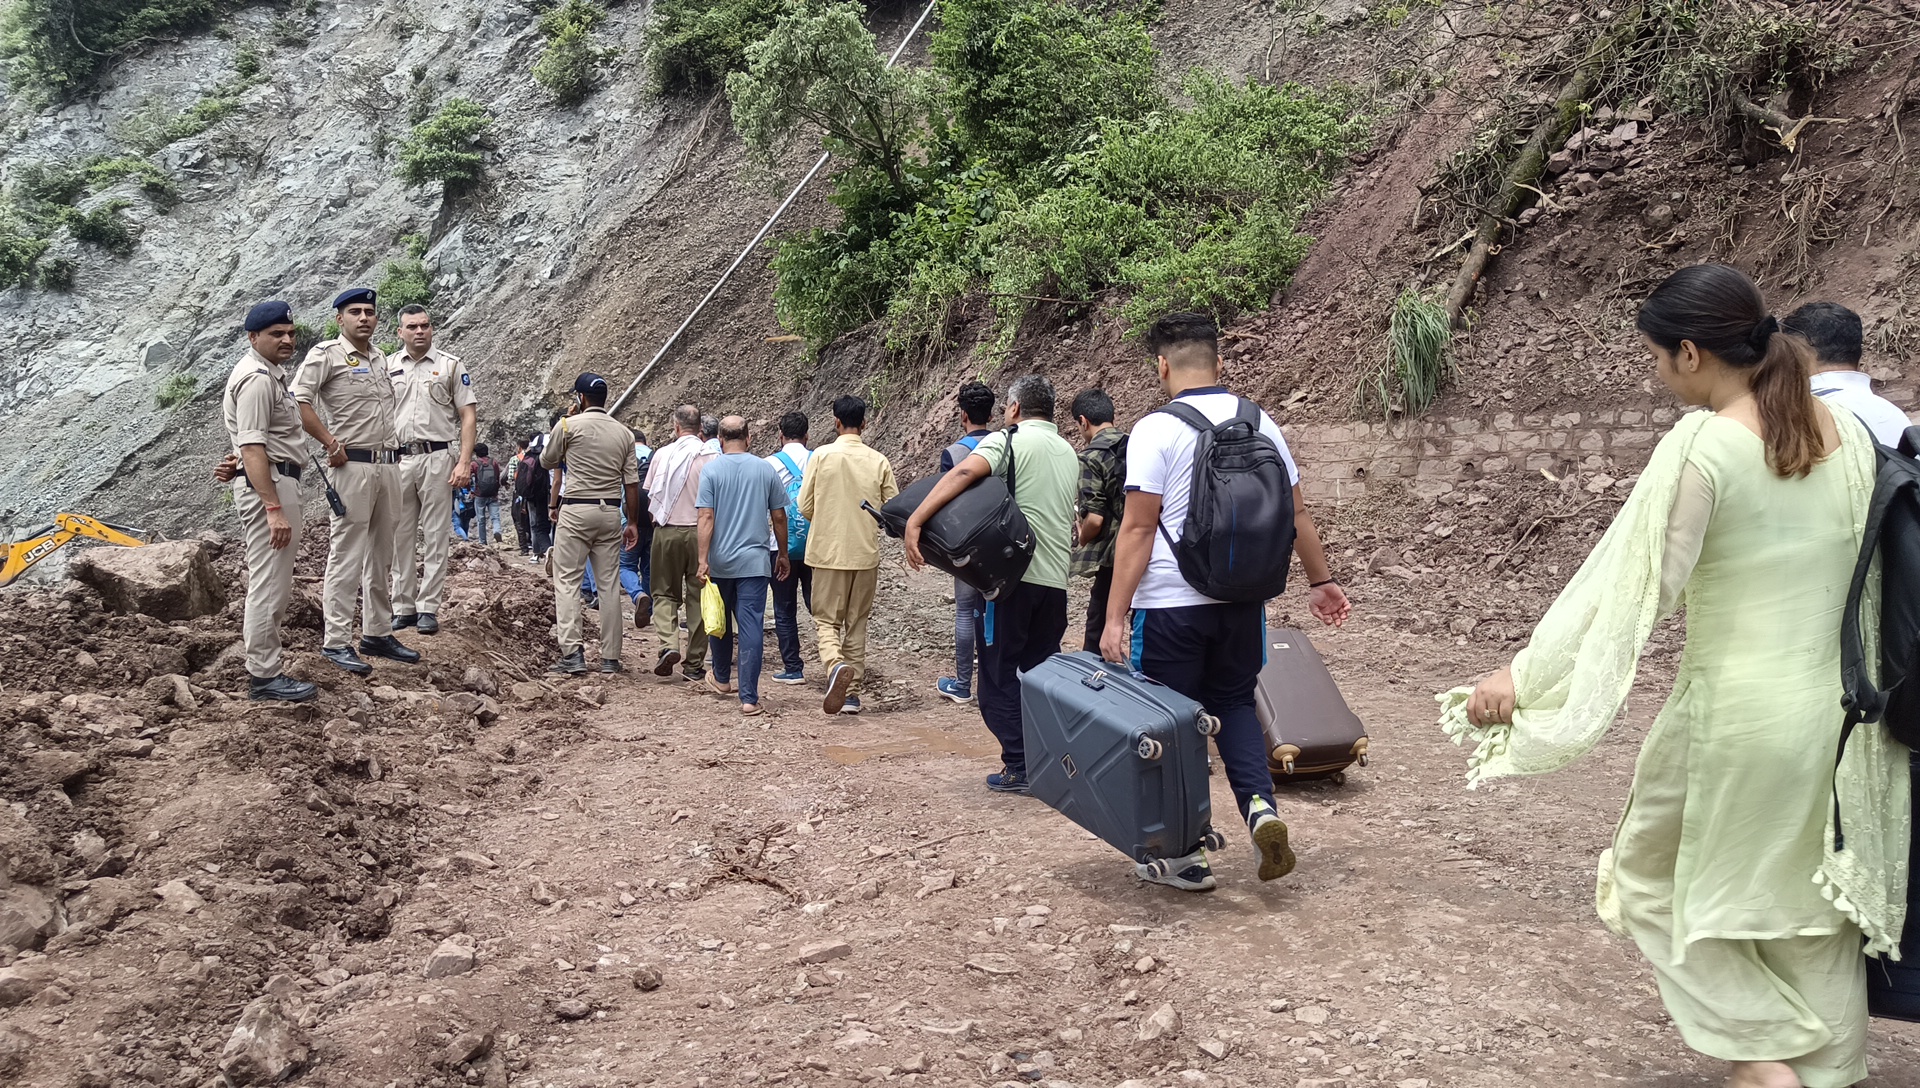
(1209, 725)
(1156, 868)
(1360, 751)
(1284, 756)
(1148, 748)
(1338, 778)
(1213, 840)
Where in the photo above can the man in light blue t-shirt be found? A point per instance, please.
(741, 504)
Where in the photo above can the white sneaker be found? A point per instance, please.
(1189, 874)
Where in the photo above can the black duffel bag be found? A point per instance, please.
(981, 537)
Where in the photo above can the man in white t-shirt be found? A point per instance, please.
(1836, 336)
(790, 464)
(1208, 650)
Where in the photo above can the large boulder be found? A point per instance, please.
(171, 580)
(266, 1047)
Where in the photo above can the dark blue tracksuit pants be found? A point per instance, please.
(1213, 654)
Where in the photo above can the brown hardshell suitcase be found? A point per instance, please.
(1311, 733)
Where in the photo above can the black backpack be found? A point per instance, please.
(1237, 541)
(1892, 534)
(533, 483)
(981, 537)
(486, 482)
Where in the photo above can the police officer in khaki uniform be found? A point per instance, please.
(601, 471)
(435, 415)
(347, 377)
(263, 423)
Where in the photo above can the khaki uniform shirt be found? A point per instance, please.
(428, 395)
(260, 411)
(598, 451)
(840, 476)
(352, 391)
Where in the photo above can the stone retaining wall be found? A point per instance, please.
(1342, 462)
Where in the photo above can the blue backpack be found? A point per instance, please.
(797, 525)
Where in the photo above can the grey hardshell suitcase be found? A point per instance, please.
(1120, 755)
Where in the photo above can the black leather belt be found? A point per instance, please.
(615, 503)
(374, 457)
(290, 469)
(417, 448)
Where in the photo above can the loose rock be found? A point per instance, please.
(176, 895)
(453, 957)
(469, 1046)
(1163, 1023)
(173, 580)
(266, 1046)
(572, 1009)
(646, 978)
(822, 951)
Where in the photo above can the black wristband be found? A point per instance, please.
(1317, 585)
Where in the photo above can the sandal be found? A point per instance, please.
(750, 710)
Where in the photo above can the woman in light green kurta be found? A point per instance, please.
(1723, 868)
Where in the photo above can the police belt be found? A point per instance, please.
(418, 448)
(615, 503)
(290, 469)
(374, 457)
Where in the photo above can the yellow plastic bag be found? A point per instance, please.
(713, 609)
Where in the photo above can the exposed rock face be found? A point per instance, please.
(172, 580)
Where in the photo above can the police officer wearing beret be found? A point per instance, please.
(347, 378)
(435, 415)
(263, 424)
(601, 471)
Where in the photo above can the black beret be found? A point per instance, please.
(589, 383)
(265, 315)
(352, 295)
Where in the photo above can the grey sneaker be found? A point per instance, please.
(1270, 839)
(839, 686)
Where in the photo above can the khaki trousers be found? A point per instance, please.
(586, 533)
(269, 572)
(842, 602)
(676, 589)
(360, 551)
(426, 510)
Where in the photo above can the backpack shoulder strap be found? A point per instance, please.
(1011, 431)
(1188, 414)
(1248, 413)
(1863, 702)
(793, 470)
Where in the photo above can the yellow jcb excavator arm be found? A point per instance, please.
(65, 527)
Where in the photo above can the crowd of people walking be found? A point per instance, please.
(1727, 869)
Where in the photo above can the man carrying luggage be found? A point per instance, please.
(1103, 474)
(1206, 649)
(843, 548)
(976, 416)
(1025, 623)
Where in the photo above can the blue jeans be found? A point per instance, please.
(746, 600)
(486, 512)
(786, 613)
(636, 565)
(968, 608)
(1212, 654)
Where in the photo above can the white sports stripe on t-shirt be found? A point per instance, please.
(1160, 462)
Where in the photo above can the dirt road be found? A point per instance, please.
(830, 900)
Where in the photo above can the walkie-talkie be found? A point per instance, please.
(333, 497)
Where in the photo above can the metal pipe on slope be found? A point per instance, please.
(627, 394)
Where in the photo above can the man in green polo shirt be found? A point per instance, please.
(1026, 622)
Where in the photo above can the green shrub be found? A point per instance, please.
(404, 282)
(55, 183)
(20, 247)
(696, 44)
(55, 274)
(448, 148)
(176, 390)
(1029, 78)
(567, 66)
(154, 181)
(105, 226)
(54, 48)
